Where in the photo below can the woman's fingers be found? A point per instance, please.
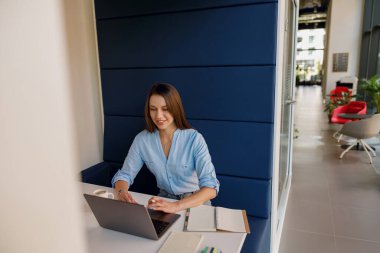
(155, 202)
(167, 207)
(132, 199)
(127, 197)
(124, 197)
(159, 204)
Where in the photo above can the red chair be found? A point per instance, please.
(336, 94)
(355, 107)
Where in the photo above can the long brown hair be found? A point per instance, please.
(173, 103)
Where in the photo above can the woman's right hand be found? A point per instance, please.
(121, 191)
(126, 197)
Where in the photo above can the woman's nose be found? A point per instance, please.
(159, 114)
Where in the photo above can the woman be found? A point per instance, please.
(176, 154)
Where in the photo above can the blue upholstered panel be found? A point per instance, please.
(237, 148)
(242, 193)
(98, 174)
(222, 93)
(197, 38)
(119, 133)
(241, 149)
(122, 8)
(102, 174)
(259, 239)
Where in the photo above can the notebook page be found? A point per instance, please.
(181, 242)
(201, 218)
(229, 219)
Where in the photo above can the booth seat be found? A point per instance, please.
(102, 173)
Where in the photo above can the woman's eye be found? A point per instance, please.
(165, 109)
(152, 109)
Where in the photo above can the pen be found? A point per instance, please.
(211, 250)
(186, 219)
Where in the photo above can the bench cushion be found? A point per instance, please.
(258, 241)
(102, 173)
(252, 195)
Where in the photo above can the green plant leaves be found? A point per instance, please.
(372, 87)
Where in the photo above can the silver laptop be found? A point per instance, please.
(130, 218)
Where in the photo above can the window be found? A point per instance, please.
(311, 39)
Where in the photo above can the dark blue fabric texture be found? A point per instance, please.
(102, 173)
(194, 38)
(259, 239)
(123, 8)
(216, 89)
(246, 143)
(241, 193)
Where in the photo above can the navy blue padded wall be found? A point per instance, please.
(238, 171)
(220, 54)
(246, 143)
(221, 57)
(196, 38)
(249, 194)
(219, 91)
(123, 8)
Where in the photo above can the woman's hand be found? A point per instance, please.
(126, 197)
(159, 204)
(121, 192)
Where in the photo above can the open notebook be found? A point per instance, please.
(209, 218)
(181, 242)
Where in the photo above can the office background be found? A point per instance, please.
(54, 115)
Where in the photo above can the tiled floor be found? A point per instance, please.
(334, 204)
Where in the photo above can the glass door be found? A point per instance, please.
(287, 101)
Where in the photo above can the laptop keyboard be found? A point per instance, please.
(159, 226)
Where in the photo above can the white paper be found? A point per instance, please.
(202, 218)
(181, 242)
(230, 220)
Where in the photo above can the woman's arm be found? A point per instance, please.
(121, 191)
(125, 176)
(196, 199)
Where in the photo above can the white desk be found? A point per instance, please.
(104, 240)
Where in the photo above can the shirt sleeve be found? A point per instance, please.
(132, 165)
(203, 165)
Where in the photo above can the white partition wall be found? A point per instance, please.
(344, 36)
(51, 124)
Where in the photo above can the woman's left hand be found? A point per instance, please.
(159, 204)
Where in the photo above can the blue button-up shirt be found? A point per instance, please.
(187, 168)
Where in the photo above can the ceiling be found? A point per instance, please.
(312, 14)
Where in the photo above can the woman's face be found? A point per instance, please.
(159, 113)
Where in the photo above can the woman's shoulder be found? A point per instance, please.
(144, 135)
(190, 133)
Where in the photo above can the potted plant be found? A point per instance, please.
(372, 87)
(332, 103)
